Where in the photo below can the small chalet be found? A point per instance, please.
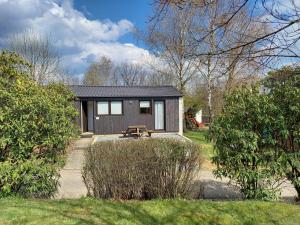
(112, 109)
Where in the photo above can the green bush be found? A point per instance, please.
(33, 118)
(141, 169)
(244, 141)
(258, 135)
(31, 178)
(284, 92)
(36, 125)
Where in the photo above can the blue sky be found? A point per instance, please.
(136, 11)
(83, 31)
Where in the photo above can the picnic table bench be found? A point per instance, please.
(137, 130)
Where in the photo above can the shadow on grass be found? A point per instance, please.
(93, 211)
(89, 211)
(83, 211)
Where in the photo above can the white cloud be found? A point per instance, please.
(116, 51)
(79, 39)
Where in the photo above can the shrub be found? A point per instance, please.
(244, 141)
(141, 169)
(284, 92)
(258, 135)
(33, 118)
(31, 178)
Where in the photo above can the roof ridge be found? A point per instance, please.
(123, 86)
(135, 91)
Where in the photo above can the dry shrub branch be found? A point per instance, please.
(141, 169)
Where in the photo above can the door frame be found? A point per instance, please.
(164, 116)
(84, 116)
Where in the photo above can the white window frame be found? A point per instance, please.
(150, 106)
(98, 111)
(121, 104)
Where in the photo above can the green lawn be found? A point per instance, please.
(200, 137)
(91, 211)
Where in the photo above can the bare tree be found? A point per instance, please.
(107, 72)
(215, 25)
(129, 74)
(98, 73)
(283, 17)
(161, 78)
(170, 41)
(222, 73)
(68, 78)
(40, 52)
(175, 39)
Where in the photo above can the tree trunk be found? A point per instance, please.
(209, 87)
(297, 187)
(293, 177)
(209, 71)
(210, 102)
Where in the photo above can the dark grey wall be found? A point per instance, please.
(172, 116)
(109, 124)
(132, 114)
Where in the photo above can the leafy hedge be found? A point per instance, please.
(243, 143)
(35, 120)
(258, 136)
(31, 178)
(143, 169)
(32, 117)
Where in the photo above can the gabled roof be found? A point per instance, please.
(125, 91)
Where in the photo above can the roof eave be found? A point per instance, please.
(165, 96)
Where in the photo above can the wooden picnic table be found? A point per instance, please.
(137, 127)
(137, 130)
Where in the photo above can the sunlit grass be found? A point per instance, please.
(201, 137)
(92, 211)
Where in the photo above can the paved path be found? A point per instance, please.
(205, 186)
(71, 182)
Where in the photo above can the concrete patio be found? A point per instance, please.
(119, 137)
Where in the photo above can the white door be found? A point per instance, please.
(159, 115)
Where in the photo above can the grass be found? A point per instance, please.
(92, 211)
(200, 137)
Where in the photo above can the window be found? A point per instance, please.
(116, 107)
(110, 108)
(102, 108)
(145, 107)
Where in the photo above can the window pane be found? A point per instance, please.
(102, 108)
(116, 107)
(145, 107)
(144, 104)
(145, 110)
